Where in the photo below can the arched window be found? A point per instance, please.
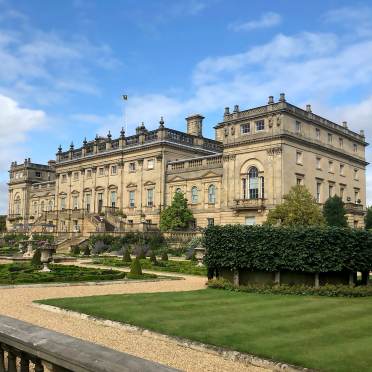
(194, 195)
(253, 182)
(212, 194)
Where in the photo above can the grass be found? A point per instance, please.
(329, 334)
(183, 267)
(25, 273)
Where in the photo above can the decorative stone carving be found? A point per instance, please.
(274, 151)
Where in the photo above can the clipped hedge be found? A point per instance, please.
(297, 290)
(307, 249)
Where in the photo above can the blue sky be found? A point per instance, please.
(65, 64)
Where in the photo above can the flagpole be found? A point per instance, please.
(125, 98)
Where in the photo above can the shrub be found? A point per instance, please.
(153, 258)
(307, 249)
(75, 250)
(298, 290)
(164, 256)
(86, 251)
(36, 259)
(126, 255)
(135, 267)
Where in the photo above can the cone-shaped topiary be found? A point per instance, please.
(135, 267)
(164, 256)
(86, 251)
(142, 254)
(36, 259)
(126, 255)
(153, 258)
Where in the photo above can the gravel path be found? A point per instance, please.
(17, 303)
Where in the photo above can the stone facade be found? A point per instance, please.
(258, 155)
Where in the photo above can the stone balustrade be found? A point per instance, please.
(25, 347)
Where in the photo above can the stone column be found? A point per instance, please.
(316, 280)
(236, 277)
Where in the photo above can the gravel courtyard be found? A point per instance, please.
(17, 303)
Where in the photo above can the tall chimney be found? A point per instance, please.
(308, 108)
(282, 97)
(195, 125)
(271, 100)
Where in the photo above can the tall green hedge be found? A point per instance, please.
(310, 249)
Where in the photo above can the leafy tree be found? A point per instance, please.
(298, 209)
(177, 215)
(334, 212)
(2, 223)
(368, 219)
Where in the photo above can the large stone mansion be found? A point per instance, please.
(122, 184)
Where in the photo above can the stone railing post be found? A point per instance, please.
(236, 278)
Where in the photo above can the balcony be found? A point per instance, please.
(353, 208)
(248, 204)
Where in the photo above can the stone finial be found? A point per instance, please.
(71, 146)
(59, 148)
(282, 97)
(97, 138)
(122, 133)
(308, 108)
(161, 122)
(109, 135)
(236, 108)
(227, 111)
(85, 141)
(344, 124)
(271, 100)
(362, 133)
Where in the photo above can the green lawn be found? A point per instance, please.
(183, 267)
(330, 334)
(25, 273)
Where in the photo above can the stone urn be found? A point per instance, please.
(46, 255)
(199, 255)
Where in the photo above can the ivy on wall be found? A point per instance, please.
(308, 249)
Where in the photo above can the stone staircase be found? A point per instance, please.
(64, 246)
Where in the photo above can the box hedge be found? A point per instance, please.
(307, 249)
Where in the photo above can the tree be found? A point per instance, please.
(368, 219)
(334, 212)
(177, 215)
(298, 209)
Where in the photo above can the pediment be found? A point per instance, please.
(149, 183)
(131, 184)
(175, 179)
(210, 174)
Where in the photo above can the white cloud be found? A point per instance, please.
(267, 20)
(355, 18)
(15, 123)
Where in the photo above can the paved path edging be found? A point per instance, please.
(235, 356)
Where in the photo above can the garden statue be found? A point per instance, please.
(30, 252)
